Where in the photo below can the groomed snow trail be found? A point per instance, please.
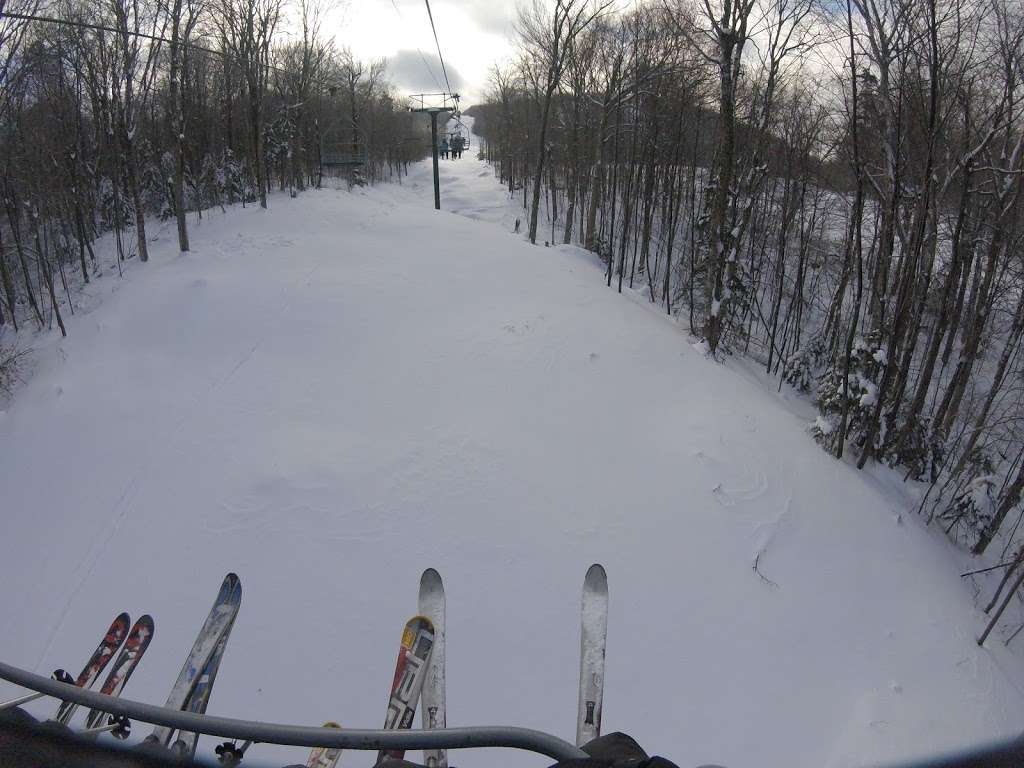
(332, 395)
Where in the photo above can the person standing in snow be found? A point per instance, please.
(444, 148)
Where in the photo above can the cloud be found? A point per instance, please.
(493, 16)
(411, 70)
(496, 18)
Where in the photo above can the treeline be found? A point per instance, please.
(112, 111)
(831, 189)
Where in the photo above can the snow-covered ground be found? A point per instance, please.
(330, 396)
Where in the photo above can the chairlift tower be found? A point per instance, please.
(427, 102)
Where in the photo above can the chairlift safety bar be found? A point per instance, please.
(299, 735)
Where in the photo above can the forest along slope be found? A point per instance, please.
(331, 395)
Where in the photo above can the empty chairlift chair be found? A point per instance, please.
(342, 157)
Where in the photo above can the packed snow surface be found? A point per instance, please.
(332, 395)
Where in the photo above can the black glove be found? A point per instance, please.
(616, 750)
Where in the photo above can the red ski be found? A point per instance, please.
(127, 660)
(99, 659)
(410, 672)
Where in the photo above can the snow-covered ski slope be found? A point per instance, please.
(332, 395)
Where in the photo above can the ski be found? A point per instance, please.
(221, 616)
(97, 662)
(127, 660)
(432, 605)
(324, 757)
(410, 672)
(593, 638)
(197, 702)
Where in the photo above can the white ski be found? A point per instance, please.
(410, 672)
(432, 606)
(593, 638)
(185, 744)
(219, 620)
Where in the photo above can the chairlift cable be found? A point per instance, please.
(224, 54)
(438, 44)
(418, 49)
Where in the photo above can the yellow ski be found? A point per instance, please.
(324, 757)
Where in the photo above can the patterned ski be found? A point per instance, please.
(221, 615)
(185, 744)
(432, 605)
(127, 660)
(410, 672)
(97, 662)
(593, 638)
(324, 757)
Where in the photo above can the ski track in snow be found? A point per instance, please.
(118, 512)
(332, 395)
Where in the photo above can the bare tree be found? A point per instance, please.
(184, 16)
(548, 38)
(134, 73)
(247, 29)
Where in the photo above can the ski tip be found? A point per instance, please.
(231, 581)
(430, 578)
(422, 621)
(232, 589)
(144, 630)
(123, 619)
(596, 577)
(228, 585)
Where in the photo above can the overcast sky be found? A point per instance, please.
(474, 34)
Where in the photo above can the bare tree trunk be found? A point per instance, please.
(47, 273)
(1013, 339)
(945, 311)
(5, 278)
(12, 217)
(132, 167)
(950, 406)
(538, 173)
(1007, 575)
(855, 242)
(573, 174)
(178, 47)
(721, 254)
(1010, 499)
(1006, 602)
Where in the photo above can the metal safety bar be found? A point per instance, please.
(300, 735)
(1004, 754)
